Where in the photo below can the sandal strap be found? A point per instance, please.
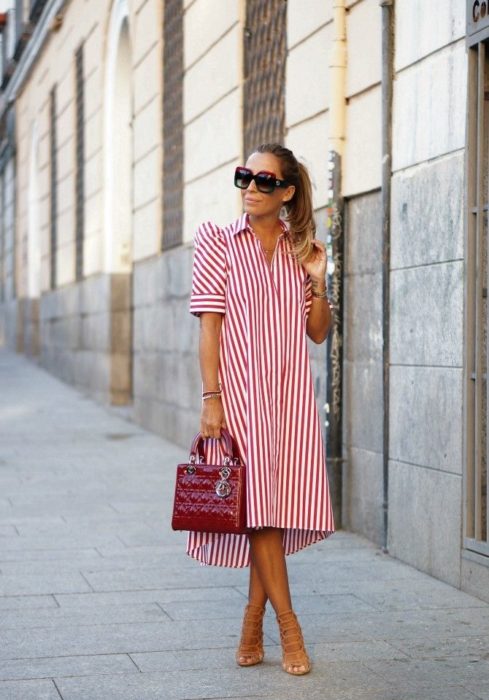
(252, 630)
(294, 652)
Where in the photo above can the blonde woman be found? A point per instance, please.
(259, 287)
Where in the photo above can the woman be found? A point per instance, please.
(259, 288)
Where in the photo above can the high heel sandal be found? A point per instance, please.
(294, 654)
(250, 650)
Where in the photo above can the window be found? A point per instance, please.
(265, 52)
(475, 381)
(80, 163)
(54, 193)
(173, 123)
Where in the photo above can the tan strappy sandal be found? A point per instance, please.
(250, 650)
(294, 655)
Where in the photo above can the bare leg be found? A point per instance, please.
(257, 594)
(269, 567)
(250, 651)
(269, 579)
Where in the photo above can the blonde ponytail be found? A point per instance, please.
(300, 212)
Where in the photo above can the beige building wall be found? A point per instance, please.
(148, 127)
(56, 66)
(212, 100)
(85, 326)
(89, 23)
(307, 90)
(362, 157)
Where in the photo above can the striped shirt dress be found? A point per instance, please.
(267, 388)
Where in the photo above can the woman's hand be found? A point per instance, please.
(212, 418)
(317, 261)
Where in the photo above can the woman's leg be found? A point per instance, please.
(268, 573)
(257, 594)
(269, 578)
(250, 650)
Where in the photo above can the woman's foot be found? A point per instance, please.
(294, 656)
(250, 650)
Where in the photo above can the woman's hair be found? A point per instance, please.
(300, 213)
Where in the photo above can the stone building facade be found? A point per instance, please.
(121, 124)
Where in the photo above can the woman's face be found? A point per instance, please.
(258, 203)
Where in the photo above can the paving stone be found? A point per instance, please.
(28, 690)
(26, 602)
(163, 596)
(67, 617)
(67, 666)
(433, 672)
(201, 610)
(387, 625)
(200, 684)
(416, 599)
(47, 583)
(44, 557)
(455, 692)
(356, 651)
(153, 578)
(477, 646)
(117, 638)
(480, 693)
(78, 540)
(7, 530)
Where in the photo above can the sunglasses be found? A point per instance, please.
(265, 181)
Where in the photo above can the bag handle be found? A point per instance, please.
(230, 448)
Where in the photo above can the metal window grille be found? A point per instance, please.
(173, 124)
(476, 530)
(80, 164)
(265, 51)
(22, 29)
(54, 193)
(35, 9)
(2, 236)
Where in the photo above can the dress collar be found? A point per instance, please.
(242, 225)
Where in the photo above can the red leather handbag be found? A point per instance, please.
(211, 497)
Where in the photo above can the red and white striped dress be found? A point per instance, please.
(267, 388)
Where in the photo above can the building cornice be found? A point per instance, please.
(34, 46)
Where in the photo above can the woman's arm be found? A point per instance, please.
(320, 318)
(212, 416)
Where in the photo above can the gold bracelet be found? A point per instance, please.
(320, 295)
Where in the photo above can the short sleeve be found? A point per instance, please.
(209, 271)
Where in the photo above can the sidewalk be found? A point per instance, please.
(98, 600)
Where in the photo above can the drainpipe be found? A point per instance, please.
(387, 89)
(334, 243)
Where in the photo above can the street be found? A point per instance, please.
(98, 599)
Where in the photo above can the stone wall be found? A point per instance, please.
(8, 324)
(167, 384)
(363, 406)
(427, 287)
(212, 97)
(86, 336)
(29, 316)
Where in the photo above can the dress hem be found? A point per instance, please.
(200, 551)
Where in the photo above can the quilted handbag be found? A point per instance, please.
(211, 497)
